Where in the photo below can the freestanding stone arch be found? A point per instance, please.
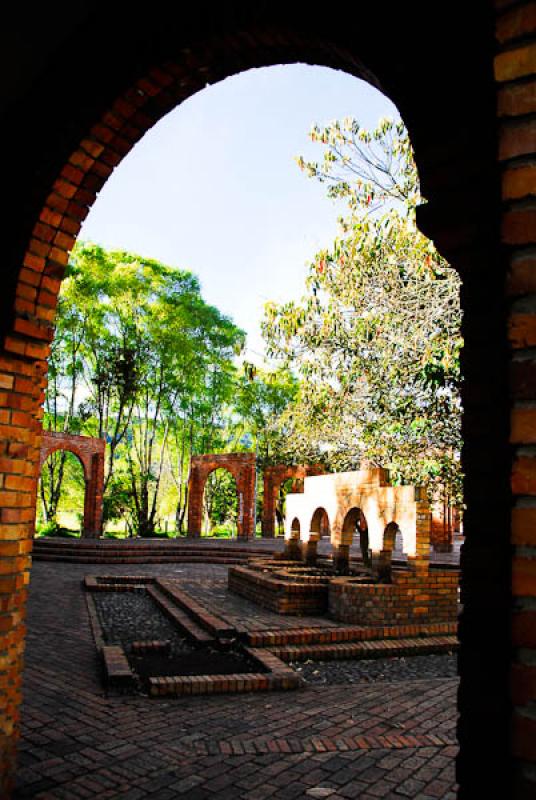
(273, 478)
(242, 468)
(90, 452)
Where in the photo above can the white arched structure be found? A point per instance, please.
(368, 490)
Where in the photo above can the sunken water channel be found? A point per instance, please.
(131, 619)
(156, 639)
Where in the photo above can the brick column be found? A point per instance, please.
(341, 558)
(269, 498)
(515, 72)
(195, 501)
(92, 527)
(21, 381)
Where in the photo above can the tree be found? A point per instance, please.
(376, 338)
(261, 398)
(141, 360)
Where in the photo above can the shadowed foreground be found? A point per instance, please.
(385, 738)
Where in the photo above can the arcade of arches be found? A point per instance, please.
(90, 452)
(358, 505)
(463, 80)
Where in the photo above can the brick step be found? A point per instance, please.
(384, 648)
(181, 618)
(210, 622)
(101, 553)
(223, 684)
(116, 667)
(138, 544)
(138, 549)
(123, 558)
(347, 633)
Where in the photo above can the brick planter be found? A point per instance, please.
(413, 597)
(274, 590)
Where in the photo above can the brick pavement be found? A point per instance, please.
(367, 740)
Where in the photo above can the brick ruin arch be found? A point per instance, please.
(90, 452)
(470, 112)
(242, 468)
(272, 480)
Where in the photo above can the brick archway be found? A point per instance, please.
(242, 468)
(90, 452)
(467, 95)
(273, 478)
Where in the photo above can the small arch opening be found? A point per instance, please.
(320, 523)
(392, 538)
(61, 495)
(295, 528)
(355, 525)
(220, 504)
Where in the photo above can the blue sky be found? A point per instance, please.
(214, 188)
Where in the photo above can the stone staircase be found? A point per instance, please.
(102, 551)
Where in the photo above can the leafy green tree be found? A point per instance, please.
(220, 501)
(376, 339)
(141, 360)
(260, 400)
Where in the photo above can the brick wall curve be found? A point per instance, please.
(83, 447)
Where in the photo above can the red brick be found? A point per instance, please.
(516, 139)
(521, 278)
(515, 63)
(524, 577)
(519, 227)
(519, 182)
(524, 737)
(519, 22)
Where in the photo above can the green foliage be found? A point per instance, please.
(143, 361)
(62, 489)
(220, 502)
(261, 398)
(376, 339)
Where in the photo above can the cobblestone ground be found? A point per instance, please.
(388, 738)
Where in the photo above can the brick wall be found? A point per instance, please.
(279, 595)
(515, 68)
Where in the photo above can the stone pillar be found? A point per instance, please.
(423, 529)
(292, 550)
(341, 558)
(309, 549)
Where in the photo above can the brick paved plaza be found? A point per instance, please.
(366, 740)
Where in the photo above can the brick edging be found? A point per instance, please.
(363, 650)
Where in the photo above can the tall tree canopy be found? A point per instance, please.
(376, 338)
(140, 359)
